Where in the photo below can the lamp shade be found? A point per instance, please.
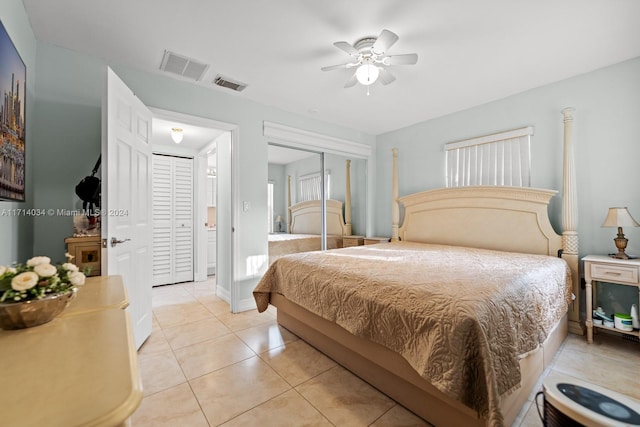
(279, 218)
(619, 217)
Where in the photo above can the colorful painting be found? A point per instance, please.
(13, 75)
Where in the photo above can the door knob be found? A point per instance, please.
(115, 241)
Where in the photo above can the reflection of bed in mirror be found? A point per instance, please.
(304, 225)
(472, 361)
(305, 229)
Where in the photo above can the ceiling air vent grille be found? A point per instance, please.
(183, 66)
(228, 83)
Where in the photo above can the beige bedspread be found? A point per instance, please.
(460, 316)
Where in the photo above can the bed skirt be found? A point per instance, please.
(392, 374)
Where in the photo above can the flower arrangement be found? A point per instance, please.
(38, 278)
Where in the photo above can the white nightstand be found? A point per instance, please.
(599, 268)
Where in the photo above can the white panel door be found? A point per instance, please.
(126, 203)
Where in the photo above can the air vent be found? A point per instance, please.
(183, 66)
(228, 83)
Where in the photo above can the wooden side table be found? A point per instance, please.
(348, 241)
(86, 251)
(610, 270)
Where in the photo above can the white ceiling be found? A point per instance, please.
(470, 51)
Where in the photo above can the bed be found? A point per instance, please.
(304, 224)
(483, 264)
(305, 229)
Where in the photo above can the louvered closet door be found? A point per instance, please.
(162, 220)
(172, 220)
(183, 220)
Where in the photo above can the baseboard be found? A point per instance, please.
(247, 304)
(223, 294)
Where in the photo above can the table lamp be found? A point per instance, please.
(279, 221)
(620, 217)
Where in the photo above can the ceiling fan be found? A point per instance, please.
(369, 55)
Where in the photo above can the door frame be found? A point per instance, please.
(200, 235)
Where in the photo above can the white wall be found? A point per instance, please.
(607, 145)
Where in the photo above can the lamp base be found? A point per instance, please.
(621, 244)
(623, 256)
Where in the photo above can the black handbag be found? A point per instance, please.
(89, 191)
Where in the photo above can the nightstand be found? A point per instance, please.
(599, 268)
(348, 241)
(375, 240)
(86, 251)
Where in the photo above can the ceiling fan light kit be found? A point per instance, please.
(371, 60)
(366, 74)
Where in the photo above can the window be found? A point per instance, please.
(498, 159)
(310, 187)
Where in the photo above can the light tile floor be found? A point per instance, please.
(203, 366)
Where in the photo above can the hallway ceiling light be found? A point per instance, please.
(176, 135)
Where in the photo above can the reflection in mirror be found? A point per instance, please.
(295, 213)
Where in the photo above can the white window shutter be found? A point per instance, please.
(500, 159)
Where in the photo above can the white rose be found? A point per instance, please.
(3, 269)
(69, 266)
(37, 260)
(12, 270)
(24, 281)
(76, 278)
(45, 270)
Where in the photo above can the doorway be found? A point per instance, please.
(205, 140)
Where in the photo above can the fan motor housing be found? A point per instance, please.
(365, 44)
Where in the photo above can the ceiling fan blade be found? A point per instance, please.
(338, 67)
(347, 48)
(402, 59)
(352, 81)
(385, 40)
(385, 76)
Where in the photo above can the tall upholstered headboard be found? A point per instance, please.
(306, 218)
(511, 219)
